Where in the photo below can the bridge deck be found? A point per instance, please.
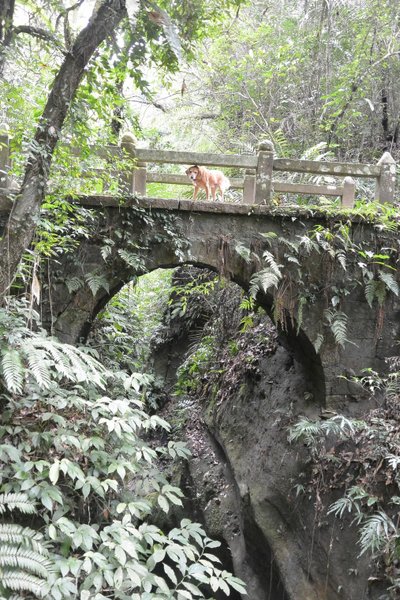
(226, 208)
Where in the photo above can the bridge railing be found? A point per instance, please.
(257, 181)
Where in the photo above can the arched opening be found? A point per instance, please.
(248, 381)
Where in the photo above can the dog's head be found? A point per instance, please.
(193, 172)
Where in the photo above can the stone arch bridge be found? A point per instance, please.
(142, 235)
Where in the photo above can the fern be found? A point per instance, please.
(243, 252)
(26, 560)
(269, 236)
(341, 258)
(272, 264)
(317, 343)
(341, 505)
(309, 430)
(10, 533)
(263, 280)
(17, 580)
(390, 282)
(308, 244)
(106, 251)
(96, 282)
(370, 291)
(131, 259)
(18, 501)
(337, 321)
(266, 278)
(55, 352)
(38, 366)
(12, 370)
(376, 532)
(73, 284)
(39, 357)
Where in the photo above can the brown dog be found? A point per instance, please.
(211, 181)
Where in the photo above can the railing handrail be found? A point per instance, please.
(242, 161)
(257, 182)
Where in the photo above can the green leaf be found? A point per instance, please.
(54, 472)
(163, 503)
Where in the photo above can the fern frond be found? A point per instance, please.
(11, 533)
(13, 370)
(375, 532)
(340, 506)
(24, 559)
(263, 280)
(338, 323)
(73, 284)
(317, 343)
(305, 429)
(370, 291)
(269, 236)
(390, 282)
(37, 363)
(243, 252)
(290, 244)
(18, 501)
(20, 581)
(272, 264)
(308, 244)
(51, 348)
(83, 366)
(106, 251)
(133, 260)
(341, 258)
(96, 282)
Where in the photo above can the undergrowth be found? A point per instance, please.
(79, 483)
(359, 461)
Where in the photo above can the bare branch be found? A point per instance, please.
(38, 32)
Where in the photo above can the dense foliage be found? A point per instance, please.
(304, 75)
(361, 458)
(83, 481)
(74, 456)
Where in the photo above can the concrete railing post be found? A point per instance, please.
(349, 192)
(386, 182)
(4, 160)
(264, 173)
(249, 187)
(133, 182)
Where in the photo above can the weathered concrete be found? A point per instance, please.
(166, 233)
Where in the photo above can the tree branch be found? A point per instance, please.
(38, 32)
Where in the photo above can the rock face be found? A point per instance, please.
(244, 475)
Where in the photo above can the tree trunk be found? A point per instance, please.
(7, 8)
(25, 214)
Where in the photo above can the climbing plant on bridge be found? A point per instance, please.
(369, 265)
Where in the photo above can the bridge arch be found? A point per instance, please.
(129, 242)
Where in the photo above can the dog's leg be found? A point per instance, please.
(208, 191)
(196, 189)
